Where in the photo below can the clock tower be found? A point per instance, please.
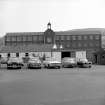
(49, 35)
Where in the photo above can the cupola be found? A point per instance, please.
(49, 25)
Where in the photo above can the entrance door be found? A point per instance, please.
(95, 58)
(66, 54)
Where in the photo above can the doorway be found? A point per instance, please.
(95, 58)
(65, 54)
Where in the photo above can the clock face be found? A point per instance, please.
(49, 40)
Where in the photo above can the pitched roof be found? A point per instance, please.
(85, 31)
(24, 33)
(26, 48)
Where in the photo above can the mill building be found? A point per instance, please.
(79, 43)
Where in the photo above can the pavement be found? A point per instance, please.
(70, 86)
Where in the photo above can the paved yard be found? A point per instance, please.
(72, 86)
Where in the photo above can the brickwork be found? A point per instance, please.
(72, 41)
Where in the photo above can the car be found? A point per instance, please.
(51, 63)
(15, 63)
(83, 62)
(3, 60)
(34, 63)
(69, 62)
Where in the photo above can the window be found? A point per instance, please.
(13, 38)
(74, 37)
(8, 38)
(97, 44)
(24, 38)
(8, 55)
(68, 45)
(26, 54)
(91, 44)
(19, 38)
(79, 45)
(17, 54)
(14, 43)
(49, 40)
(85, 44)
(62, 37)
(91, 37)
(79, 37)
(29, 38)
(67, 37)
(40, 38)
(97, 37)
(73, 45)
(85, 37)
(57, 37)
(34, 38)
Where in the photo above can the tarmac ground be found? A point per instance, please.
(66, 86)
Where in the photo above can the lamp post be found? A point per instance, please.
(61, 46)
(55, 48)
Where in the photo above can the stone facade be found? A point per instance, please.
(88, 41)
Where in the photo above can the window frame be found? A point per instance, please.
(14, 37)
(68, 37)
(35, 38)
(24, 38)
(97, 37)
(68, 45)
(91, 37)
(85, 37)
(73, 37)
(8, 38)
(19, 38)
(62, 37)
(91, 44)
(85, 44)
(40, 38)
(17, 54)
(57, 37)
(79, 37)
(29, 38)
(79, 45)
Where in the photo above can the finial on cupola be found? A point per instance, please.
(49, 25)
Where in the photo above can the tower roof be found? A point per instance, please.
(49, 23)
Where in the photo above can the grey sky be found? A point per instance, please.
(33, 15)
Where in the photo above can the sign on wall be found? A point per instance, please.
(80, 54)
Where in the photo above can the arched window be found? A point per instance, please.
(8, 55)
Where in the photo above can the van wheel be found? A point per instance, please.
(59, 67)
(48, 66)
(62, 66)
(28, 67)
(89, 66)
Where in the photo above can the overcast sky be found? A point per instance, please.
(33, 15)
